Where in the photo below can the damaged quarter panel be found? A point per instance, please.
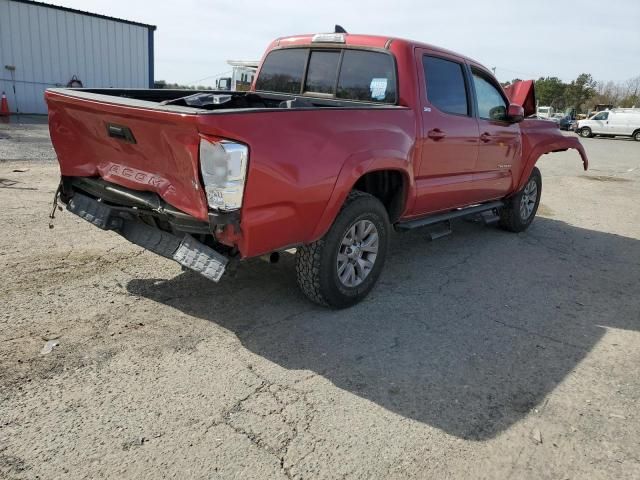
(540, 137)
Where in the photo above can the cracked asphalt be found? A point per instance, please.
(484, 354)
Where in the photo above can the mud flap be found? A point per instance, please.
(186, 250)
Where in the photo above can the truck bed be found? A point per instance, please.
(148, 141)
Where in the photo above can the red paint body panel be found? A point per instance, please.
(523, 93)
(294, 168)
(303, 163)
(164, 160)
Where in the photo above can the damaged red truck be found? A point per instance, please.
(340, 139)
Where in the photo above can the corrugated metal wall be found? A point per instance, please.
(48, 46)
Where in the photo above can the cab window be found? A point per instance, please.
(601, 116)
(282, 71)
(367, 76)
(491, 104)
(347, 74)
(322, 71)
(445, 85)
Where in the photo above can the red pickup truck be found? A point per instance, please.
(341, 138)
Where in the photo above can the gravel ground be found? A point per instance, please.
(481, 355)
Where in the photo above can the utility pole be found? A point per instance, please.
(494, 70)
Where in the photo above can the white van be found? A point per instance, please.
(611, 123)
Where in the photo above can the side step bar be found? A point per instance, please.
(443, 217)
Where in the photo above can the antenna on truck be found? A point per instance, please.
(339, 29)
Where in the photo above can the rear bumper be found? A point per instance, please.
(180, 247)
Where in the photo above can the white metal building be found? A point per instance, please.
(43, 45)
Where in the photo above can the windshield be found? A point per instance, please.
(348, 74)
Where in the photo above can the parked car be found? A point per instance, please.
(341, 138)
(566, 123)
(623, 122)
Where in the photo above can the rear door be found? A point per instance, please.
(500, 146)
(449, 137)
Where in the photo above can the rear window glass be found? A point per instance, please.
(282, 71)
(321, 75)
(363, 75)
(445, 85)
(368, 76)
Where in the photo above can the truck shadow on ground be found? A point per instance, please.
(466, 334)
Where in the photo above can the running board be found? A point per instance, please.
(442, 217)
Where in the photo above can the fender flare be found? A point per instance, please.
(353, 169)
(556, 144)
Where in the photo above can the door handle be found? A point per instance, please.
(485, 137)
(436, 134)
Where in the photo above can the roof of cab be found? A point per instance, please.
(360, 40)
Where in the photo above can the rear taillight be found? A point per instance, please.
(223, 165)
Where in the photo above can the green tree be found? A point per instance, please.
(551, 91)
(580, 90)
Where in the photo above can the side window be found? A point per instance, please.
(491, 104)
(322, 72)
(368, 76)
(282, 71)
(445, 85)
(601, 116)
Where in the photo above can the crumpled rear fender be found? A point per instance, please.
(540, 137)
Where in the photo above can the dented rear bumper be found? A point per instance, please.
(180, 247)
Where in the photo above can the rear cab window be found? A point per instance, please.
(284, 71)
(344, 74)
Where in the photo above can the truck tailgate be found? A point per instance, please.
(140, 148)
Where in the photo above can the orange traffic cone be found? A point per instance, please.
(4, 106)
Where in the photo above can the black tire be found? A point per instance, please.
(511, 216)
(636, 135)
(585, 132)
(317, 263)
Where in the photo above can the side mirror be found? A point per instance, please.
(515, 113)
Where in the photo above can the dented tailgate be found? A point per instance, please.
(143, 149)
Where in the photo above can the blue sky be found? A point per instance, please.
(521, 39)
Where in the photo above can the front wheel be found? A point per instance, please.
(586, 132)
(520, 210)
(636, 136)
(341, 268)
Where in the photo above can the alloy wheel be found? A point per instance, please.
(528, 199)
(357, 253)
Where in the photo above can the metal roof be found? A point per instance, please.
(81, 12)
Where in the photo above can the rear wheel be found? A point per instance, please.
(585, 132)
(341, 268)
(520, 210)
(636, 135)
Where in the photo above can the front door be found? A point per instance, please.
(599, 123)
(500, 151)
(449, 136)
